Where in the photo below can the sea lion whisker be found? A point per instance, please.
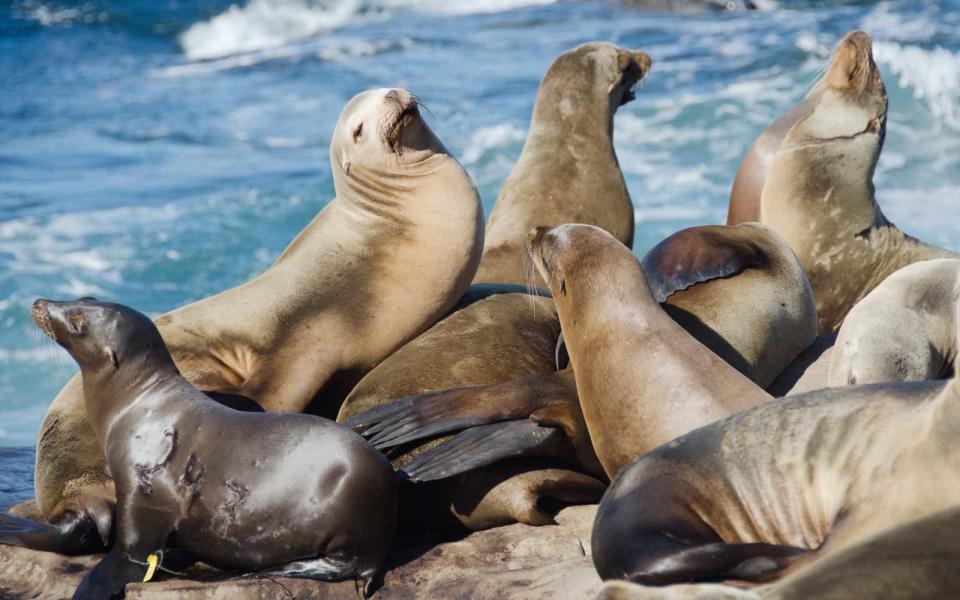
(530, 276)
(420, 104)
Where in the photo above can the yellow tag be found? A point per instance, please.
(152, 561)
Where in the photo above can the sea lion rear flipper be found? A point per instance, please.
(668, 560)
(433, 413)
(73, 534)
(484, 445)
(699, 254)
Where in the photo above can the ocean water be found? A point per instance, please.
(156, 152)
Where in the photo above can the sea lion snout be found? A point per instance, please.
(636, 62)
(59, 320)
(634, 66)
(852, 67)
(40, 313)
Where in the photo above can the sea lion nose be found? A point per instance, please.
(643, 59)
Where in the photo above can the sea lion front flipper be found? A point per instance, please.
(484, 445)
(699, 254)
(667, 560)
(73, 534)
(111, 575)
(433, 413)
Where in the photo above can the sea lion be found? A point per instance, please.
(628, 355)
(819, 194)
(388, 256)
(802, 476)
(735, 289)
(568, 170)
(904, 330)
(291, 494)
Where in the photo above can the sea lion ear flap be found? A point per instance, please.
(699, 254)
(75, 323)
(112, 357)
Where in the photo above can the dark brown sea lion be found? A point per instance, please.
(818, 191)
(568, 170)
(745, 497)
(379, 264)
(287, 493)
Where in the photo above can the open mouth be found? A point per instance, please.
(402, 120)
(630, 93)
(41, 316)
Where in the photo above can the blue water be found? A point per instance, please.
(155, 152)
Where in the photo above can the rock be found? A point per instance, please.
(516, 561)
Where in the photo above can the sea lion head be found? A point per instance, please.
(851, 100)
(576, 260)
(591, 73)
(97, 335)
(381, 130)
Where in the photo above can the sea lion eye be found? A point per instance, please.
(357, 132)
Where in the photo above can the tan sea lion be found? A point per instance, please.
(733, 288)
(379, 264)
(903, 330)
(288, 494)
(819, 192)
(641, 378)
(808, 475)
(568, 170)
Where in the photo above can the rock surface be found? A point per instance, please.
(516, 561)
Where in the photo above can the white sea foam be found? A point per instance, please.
(933, 76)
(46, 354)
(270, 24)
(332, 50)
(62, 243)
(490, 139)
(262, 24)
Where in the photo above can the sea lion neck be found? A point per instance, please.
(109, 391)
(390, 190)
(564, 108)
